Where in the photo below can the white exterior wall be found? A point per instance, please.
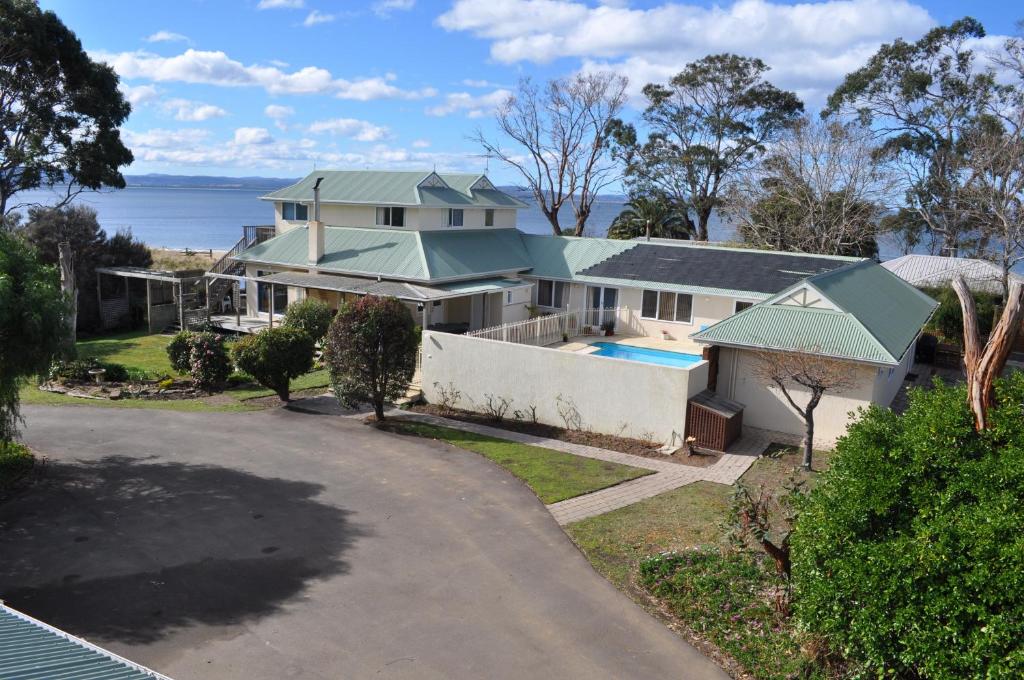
(515, 304)
(766, 407)
(647, 399)
(422, 219)
(889, 380)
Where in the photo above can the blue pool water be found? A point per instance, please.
(648, 356)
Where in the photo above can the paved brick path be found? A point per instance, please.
(667, 476)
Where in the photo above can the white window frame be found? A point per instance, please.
(389, 215)
(657, 306)
(295, 208)
(554, 284)
(451, 217)
(736, 303)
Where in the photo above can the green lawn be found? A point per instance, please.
(552, 475)
(140, 351)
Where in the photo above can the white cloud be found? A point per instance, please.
(279, 113)
(281, 4)
(384, 8)
(471, 82)
(158, 138)
(137, 95)
(359, 130)
(186, 109)
(475, 106)
(217, 68)
(317, 17)
(810, 46)
(252, 135)
(421, 144)
(167, 36)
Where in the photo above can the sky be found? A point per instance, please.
(275, 88)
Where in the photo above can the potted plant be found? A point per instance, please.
(608, 327)
(565, 337)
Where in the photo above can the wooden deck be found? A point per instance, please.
(228, 322)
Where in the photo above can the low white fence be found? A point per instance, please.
(549, 329)
(567, 389)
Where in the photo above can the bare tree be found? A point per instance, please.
(765, 517)
(984, 363)
(560, 140)
(821, 189)
(804, 371)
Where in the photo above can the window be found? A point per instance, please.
(391, 217)
(454, 217)
(550, 293)
(265, 290)
(741, 305)
(294, 211)
(489, 217)
(664, 306)
(508, 297)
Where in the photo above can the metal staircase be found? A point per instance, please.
(251, 235)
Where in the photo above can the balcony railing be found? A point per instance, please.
(547, 330)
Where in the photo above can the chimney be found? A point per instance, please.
(316, 227)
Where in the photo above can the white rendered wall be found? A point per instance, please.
(422, 219)
(613, 396)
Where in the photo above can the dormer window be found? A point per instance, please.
(454, 217)
(294, 211)
(391, 217)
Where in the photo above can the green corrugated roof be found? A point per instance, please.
(348, 250)
(482, 286)
(877, 319)
(890, 309)
(404, 255)
(377, 187)
(31, 650)
(462, 253)
(561, 257)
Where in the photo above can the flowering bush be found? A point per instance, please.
(208, 360)
(310, 315)
(179, 351)
(275, 356)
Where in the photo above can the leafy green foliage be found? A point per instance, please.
(949, 316)
(15, 460)
(33, 324)
(311, 315)
(275, 356)
(708, 123)
(666, 218)
(78, 370)
(909, 558)
(65, 107)
(370, 352)
(178, 350)
(203, 355)
(732, 599)
(90, 247)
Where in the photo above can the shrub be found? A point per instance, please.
(209, 365)
(909, 558)
(15, 461)
(370, 351)
(948, 318)
(179, 351)
(275, 356)
(78, 370)
(310, 315)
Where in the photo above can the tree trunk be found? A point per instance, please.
(378, 409)
(703, 217)
(552, 216)
(68, 286)
(809, 441)
(779, 554)
(984, 364)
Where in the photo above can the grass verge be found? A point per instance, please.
(725, 600)
(552, 475)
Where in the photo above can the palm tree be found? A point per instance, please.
(667, 219)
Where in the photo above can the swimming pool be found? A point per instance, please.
(648, 356)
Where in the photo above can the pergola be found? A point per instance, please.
(178, 280)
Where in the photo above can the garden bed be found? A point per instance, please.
(164, 390)
(636, 447)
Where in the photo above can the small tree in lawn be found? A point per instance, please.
(275, 356)
(371, 352)
(804, 371)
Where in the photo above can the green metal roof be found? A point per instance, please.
(404, 255)
(482, 286)
(375, 187)
(32, 650)
(562, 257)
(878, 318)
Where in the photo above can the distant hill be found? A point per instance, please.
(208, 182)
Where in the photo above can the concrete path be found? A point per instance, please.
(279, 544)
(668, 476)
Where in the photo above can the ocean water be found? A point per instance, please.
(175, 217)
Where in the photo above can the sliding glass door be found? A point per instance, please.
(604, 301)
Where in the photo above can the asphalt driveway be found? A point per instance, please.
(280, 544)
